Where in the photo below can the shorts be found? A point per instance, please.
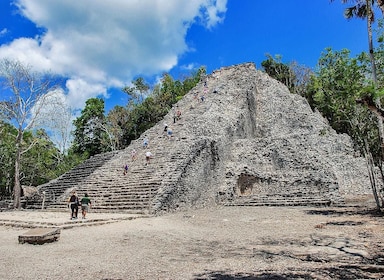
(84, 207)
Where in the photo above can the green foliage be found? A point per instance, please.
(140, 116)
(89, 131)
(334, 90)
(41, 162)
(7, 157)
(279, 71)
(293, 75)
(138, 91)
(116, 120)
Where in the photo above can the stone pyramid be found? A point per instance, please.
(242, 139)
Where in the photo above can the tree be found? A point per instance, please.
(141, 113)
(168, 88)
(89, 128)
(335, 88)
(25, 93)
(364, 10)
(7, 157)
(340, 82)
(138, 91)
(40, 162)
(302, 76)
(116, 120)
(279, 71)
(295, 76)
(56, 118)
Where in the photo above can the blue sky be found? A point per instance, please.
(99, 46)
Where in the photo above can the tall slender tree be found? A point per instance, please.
(25, 93)
(363, 9)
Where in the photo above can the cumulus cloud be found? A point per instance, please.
(80, 90)
(98, 44)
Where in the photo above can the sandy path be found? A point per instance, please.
(221, 243)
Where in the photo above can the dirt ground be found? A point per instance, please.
(217, 243)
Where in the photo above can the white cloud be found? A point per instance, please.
(80, 90)
(190, 66)
(3, 32)
(99, 44)
(215, 12)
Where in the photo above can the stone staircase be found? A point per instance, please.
(111, 190)
(102, 178)
(69, 180)
(236, 130)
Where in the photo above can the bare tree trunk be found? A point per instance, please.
(17, 186)
(370, 41)
(372, 176)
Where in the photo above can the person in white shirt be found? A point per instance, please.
(148, 156)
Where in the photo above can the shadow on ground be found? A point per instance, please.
(220, 275)
(347, 211)
(347, 272)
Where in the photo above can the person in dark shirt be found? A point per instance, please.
(74, 205)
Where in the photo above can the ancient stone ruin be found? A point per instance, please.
(249, 141)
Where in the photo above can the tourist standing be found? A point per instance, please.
(85, 204)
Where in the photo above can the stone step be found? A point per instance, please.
(131, 208)
(278, 201)
(111, 198)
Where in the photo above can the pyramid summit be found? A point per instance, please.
(242, 139)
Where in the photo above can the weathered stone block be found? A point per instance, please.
(40, 236)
